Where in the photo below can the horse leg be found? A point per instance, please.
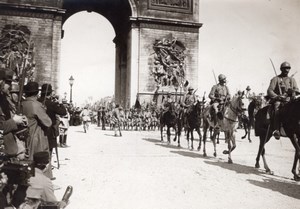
(296, 143)
(200, 139)
(161, 133)
(249, 131)
(168, 134)
(187, 138)
(179, 135)
(246, 130)
(296, 176)
(229, 138)
(268, 170)
(176, 131)
(192, 139)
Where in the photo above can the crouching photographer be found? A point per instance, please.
(40, 193)
(16, 174)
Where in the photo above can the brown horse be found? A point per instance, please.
(289, 116)
(228, 125)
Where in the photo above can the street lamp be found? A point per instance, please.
(71, 81)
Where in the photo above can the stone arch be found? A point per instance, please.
(137, 24)
(118, 13)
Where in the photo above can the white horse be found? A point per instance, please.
(228, 124)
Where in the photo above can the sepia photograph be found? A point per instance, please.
(149, 104)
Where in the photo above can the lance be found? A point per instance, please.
(276, 76)
(215, 76)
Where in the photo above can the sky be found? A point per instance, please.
(87, 54)
(238, 38)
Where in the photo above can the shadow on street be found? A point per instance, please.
(283, 187)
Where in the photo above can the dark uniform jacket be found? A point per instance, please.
(53, 109)
(7, 127)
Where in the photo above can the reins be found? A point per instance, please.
(235, 111)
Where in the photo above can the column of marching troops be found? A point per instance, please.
(30, 119)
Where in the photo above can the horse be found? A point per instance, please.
(193, 122)
(169, 118)
(180, 121)
(228, 125)
(247, 120)
(289, 117)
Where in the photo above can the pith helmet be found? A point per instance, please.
(285, 65)
(248, 88)
(222, 77)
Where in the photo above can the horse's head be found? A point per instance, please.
(237, 105)
(199, 106)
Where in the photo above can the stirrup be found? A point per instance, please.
(276, 134)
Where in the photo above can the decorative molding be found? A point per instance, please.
(180, 6)
(163, 24)
(169, 27)
(33, 14)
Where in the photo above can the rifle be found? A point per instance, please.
(23, 76)
(23, 131)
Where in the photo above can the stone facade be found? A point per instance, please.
(138, 25)
(45, 27)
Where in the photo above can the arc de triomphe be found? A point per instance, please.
(156, 42)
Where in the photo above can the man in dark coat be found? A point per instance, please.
(54, 109)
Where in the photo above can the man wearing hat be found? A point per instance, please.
(280, 90)
(38, 120)
(85, 117)
(40, 186)
(219, 94)
(9, 121)
(189, 99)
(54, 110)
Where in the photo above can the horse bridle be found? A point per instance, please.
(237, 111)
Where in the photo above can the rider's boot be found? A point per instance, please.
(276, 132)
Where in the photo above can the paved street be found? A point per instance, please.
(138, 171)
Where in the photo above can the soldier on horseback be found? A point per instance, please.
(168, 101)
(281, 89)
(219, 95)
(189, 99)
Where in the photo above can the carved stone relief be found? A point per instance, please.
(17, 51)
(169, 68)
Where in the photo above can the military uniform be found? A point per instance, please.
(219, 93)
(281, 89)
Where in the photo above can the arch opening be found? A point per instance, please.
(88, 54)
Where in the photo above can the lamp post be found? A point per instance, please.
(71, 81)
